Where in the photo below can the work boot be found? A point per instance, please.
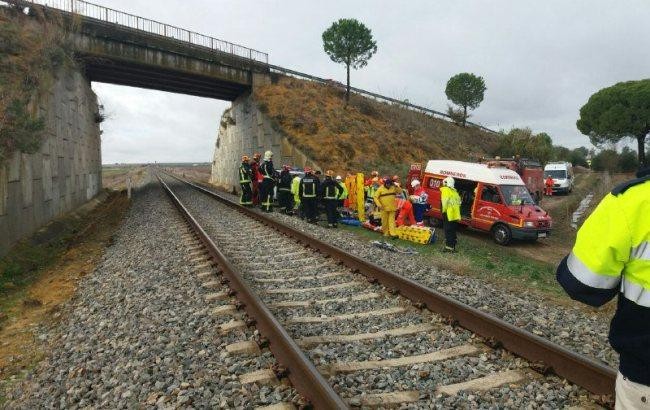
(449, 249)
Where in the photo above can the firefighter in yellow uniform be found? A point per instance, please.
(611, 257)
(385, 197)
(450, 208)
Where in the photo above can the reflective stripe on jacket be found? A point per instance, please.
(386, 198)
(267, 170)
(331, 189)
(612, 256)
(244, 173)
(309, 187)
(344, 190)
(450, 201)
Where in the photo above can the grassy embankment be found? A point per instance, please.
(366, 135)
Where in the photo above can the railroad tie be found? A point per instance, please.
(384, 399)
(298, 278)
(307, 303)
(246, 347)
(211, 297)
(224, 310)
(314, 289)
(213, 284)
(347, 367)
(205, 274)
(484, 383)
(400, 331)
(277, 406)
(264, 376)
(232, 325)
(347, 316)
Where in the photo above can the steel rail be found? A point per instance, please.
(594, 376)
(301, 371)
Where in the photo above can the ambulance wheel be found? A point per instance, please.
(501, 234)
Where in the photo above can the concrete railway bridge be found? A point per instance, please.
(120, 48)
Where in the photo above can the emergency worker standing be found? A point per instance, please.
(245, 178)
(420, 202)
(331, 192)
(268, 182)
(295, 184)
(386, 200)
(611, 256)
(308, 190)
(284, 190)
(548, 186)
(450, 207)
(257, 177)
(344, 190)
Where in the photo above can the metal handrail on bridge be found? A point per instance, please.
(108, 15)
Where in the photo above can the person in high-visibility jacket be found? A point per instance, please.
(295, 184)
(331, 192)
(611, 256)
(257, 177)
(245, 179)
(386, 200)
(308, 190)
(268, 182)
(450, 208)
(548, 186)
(344, 190)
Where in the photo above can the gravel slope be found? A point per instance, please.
(139, 332)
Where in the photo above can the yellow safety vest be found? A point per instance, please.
(450, 203)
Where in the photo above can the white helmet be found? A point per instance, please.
(415, 183)
(268, 155)
(338, 178)
(449, 182)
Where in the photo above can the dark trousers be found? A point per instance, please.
(246, 197)
(266, 194)
(285, 200)
(418, 211)
(330, 209)
(309, 209)
(450, 231)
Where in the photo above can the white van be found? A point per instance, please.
(562, 174)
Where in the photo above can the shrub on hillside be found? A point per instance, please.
(33, 49)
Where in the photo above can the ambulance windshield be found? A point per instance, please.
(516, 195)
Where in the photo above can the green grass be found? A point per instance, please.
(479, 257)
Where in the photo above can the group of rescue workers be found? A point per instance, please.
(302, 195)
(611, 255)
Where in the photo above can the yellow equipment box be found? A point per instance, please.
(417, 234)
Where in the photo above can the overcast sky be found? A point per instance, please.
(541, 60)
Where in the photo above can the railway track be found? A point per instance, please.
(352, 334)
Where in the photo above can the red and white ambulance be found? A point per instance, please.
(494, 200)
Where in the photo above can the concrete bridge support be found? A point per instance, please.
(244, 130)
(65, 173)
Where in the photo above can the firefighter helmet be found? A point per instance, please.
(448, 182)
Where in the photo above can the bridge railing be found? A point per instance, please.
(108, 15)
(375, 96)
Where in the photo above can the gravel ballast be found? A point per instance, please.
(267, 259)
(140, 333)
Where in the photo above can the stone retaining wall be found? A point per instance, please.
(65, 173)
